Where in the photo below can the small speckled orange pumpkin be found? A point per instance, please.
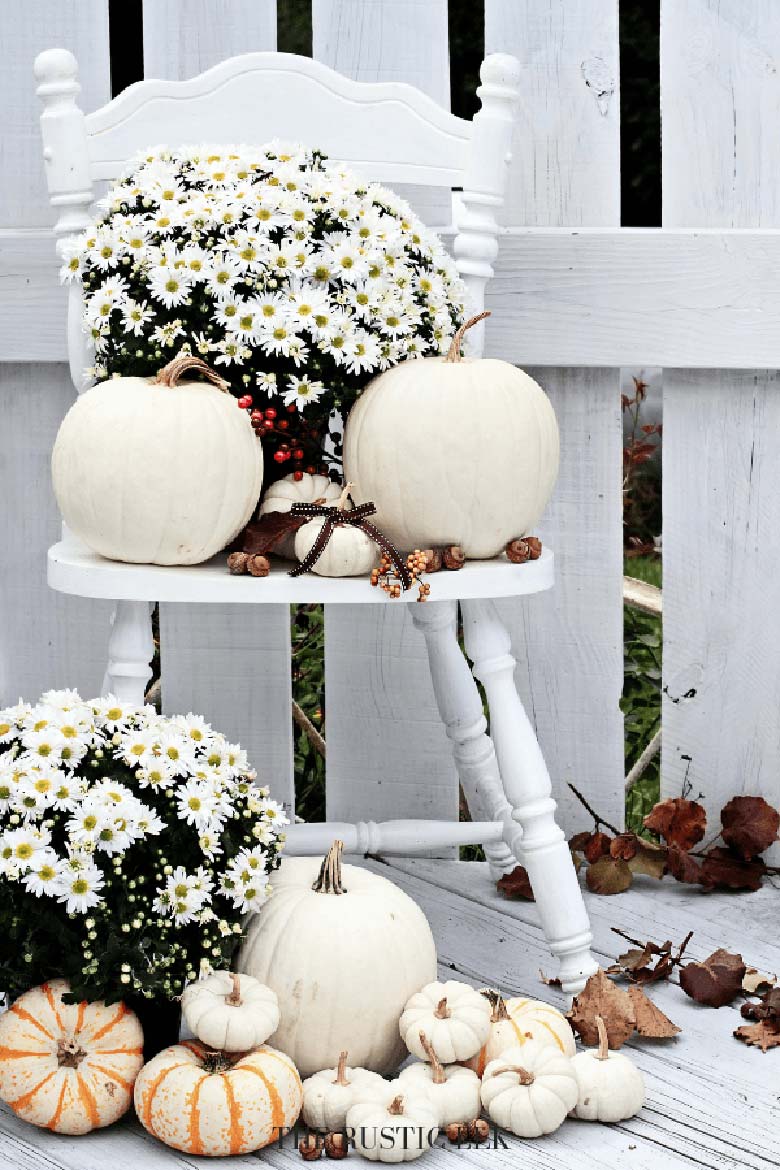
(68, 1067)
(210, 1103)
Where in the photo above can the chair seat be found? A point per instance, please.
(73, 568)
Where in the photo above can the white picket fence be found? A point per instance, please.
(572, 295)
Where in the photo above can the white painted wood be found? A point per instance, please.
(460, 707)
(130, 652)
(565, 173)
(530, 829)
(73, 568)
(184, 37)
(46, 639)
(721, 90)
(707, 298)
(390, 837)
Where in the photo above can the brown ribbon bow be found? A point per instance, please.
(334, 517)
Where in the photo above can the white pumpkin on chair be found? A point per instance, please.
(297, 488)
(160, 470)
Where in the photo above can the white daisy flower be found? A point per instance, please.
(301, 391)
(43, 876)
(79, 888)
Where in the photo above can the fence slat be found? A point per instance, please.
(228, 662)
(184, 37)
(387, 750)
(721, 91)
(45, 639)
(565, 172)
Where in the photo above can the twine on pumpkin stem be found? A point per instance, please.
(171, 374)
(329, 878)
(453, 353)
(437, 1068)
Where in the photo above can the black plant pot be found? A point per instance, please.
(160, 1020)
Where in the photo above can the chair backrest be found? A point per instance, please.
(390, 131)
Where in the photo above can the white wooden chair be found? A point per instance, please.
(396, 134)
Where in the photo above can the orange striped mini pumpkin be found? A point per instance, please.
(513, 1021)
(68, 1067)
(214, 1103)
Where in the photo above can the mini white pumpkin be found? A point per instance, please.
(329, 1095)
(309, 489)
(530, 1090)
(454, 1017)
(230, 1012)
(343, 949)
(611, 1087)
(399, 1132)
(453, 450)
(515, 1021)
(157, 470)
(349, 551)
(453, 1091)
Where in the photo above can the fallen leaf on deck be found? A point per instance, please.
(750, 825)
(651, 1022)
(649, 859)
(722, 869)
(608, 875)
(681, 865)
(767, 1008)
(516, 884)
(716, 981)
(757, 982)
(679, 821)
(764, 1035)
(596, 847)
(600, 997)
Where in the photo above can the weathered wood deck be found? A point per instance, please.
(711, 1101)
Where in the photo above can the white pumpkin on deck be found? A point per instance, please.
(309, 489)
(343, 949)
(454, 1017)
(452, 1091)
(157, 470)
(454, 450)
(399, 1132)
(330, 1094)
(230, 1012)
(611, 1087)
(68, 1067)
(530, 1090)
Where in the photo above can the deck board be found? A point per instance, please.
(711, 1102)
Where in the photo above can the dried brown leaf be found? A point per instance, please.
(624, 846)
(767, 1008)
(608, 875)
(516, 884)
(597, 846)
(763, 1035)
(578, 842)
(681, 865)
(757, 982)
(649, 859)
(263, 535)
(600, 997)
(651, 1022)
(716, 981)
(721, 869)
(679, 821)
(749, 825)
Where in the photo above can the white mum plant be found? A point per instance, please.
(131, 846)
(296, 278)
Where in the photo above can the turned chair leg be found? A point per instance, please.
(130, 652)
(531, 831)
(460, 707)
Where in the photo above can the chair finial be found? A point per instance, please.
(57, 71)
(500, 69)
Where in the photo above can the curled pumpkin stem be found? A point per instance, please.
(172, 374)
(453, 353)
(437, 1068)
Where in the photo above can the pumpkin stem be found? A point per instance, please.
(396, 1106)
(234, 999)
(171, 374)
(70, 1053)
(341, 503)
(603, 1052)
(215, 1061)
(341, 1070)
(442, 1011)
(524, 1075)
(329, 878)
(453, 353)
(439, 1075)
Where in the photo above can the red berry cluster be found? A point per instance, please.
(267, 421)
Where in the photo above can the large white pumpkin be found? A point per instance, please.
(157, 471)
(453, 450)
(342, 964)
